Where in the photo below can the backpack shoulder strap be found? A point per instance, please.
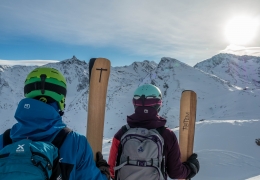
(60, 137)
(163, 169)
(58, 140)
(6, 138)
(161, 129)
(125, 128)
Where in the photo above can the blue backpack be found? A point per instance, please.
(31, 160)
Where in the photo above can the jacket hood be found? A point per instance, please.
(36, 121)
(146, 117)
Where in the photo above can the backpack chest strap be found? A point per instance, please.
(152, 162)
(140, 164)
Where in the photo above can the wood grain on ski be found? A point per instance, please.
(99, 71)
(188, 106)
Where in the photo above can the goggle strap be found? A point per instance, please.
(44, 86)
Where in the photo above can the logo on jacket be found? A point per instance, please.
(27, 106)
(141, 149)
(146, 111)
(43, 99)
(20, 148)
(59, 178)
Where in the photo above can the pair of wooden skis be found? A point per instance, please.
(99, 71)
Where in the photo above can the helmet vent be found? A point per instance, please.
(54, 72)
(43, 78)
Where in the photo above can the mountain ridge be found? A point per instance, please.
(242, 71)
(218, 98)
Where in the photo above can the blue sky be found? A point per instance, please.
(122, 31)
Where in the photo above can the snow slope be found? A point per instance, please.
(225, 148)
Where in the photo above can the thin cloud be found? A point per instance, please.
(240, 50)
(178, 29)
(27, 62)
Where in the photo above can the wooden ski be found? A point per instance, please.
(99, 71)
(188, 105)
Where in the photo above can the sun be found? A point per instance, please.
(241, 30)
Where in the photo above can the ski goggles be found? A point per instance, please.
(147, 101)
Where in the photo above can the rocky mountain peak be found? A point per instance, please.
(73, 60)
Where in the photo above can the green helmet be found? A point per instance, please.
(148, 95)
(46, 84)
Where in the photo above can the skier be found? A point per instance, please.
(39, 119)
(147, 102)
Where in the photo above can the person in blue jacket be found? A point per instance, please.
(39, 119)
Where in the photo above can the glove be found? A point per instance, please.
(193, 164)
(102, 165)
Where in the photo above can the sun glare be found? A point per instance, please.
(241, 30)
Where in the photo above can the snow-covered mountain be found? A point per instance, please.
(218, 96)
(242, 71)
(225, 108)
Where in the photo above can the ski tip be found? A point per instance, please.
(92, 59)
(188, 91)
(91, 64)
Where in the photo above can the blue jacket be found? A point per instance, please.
(41, 122)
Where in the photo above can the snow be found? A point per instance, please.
(226, 149)
(254, 178)
(228, 116)
(241, 71)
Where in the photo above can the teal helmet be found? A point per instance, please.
(47, 85)
(148, 95)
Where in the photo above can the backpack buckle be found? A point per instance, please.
(141, 163)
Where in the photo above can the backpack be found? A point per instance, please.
(31, 160)
(140, 154)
